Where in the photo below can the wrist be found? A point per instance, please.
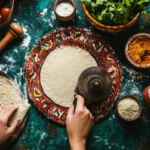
(78, 144)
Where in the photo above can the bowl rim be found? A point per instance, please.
(58, 2)
(114, 27)
(11, 11)
(134, 98)
(132, 38)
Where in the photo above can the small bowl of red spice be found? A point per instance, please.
(137, 50)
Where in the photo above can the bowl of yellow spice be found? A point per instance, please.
(129, 108)
(137, 50)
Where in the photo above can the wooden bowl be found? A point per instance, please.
(108, 28)
(10, 4)
(134, 98)
(65, 18)
(127, 47)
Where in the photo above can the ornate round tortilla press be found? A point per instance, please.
(94, 84)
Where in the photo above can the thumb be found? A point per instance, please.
(13, 127)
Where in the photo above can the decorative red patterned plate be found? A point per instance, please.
(71, 36)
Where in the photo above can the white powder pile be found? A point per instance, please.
(128, 108)
(64, 9)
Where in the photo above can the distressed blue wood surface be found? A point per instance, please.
(37, 19)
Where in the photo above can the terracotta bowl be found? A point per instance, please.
(140, 107)
(108, 28)
(66, 18)
(127, 46)
(10, 4)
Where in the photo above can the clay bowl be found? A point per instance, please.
(108, 28)
(9, 4)
(127, 46)
(140, 107)
(65, 18)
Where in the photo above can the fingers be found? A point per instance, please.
(13, 127)
(80, 103)
(70, 110)
(81, 108)
(91, 116)
(88, 113)
(8, 112)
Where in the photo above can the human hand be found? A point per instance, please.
(5, 131)
(78, 123)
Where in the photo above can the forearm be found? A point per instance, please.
(78, 145)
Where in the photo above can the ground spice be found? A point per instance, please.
(128, 108)
(139, 50)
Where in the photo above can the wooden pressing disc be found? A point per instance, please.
(94, 84)
(19, 128)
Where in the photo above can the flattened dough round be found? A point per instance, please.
(10, 96)
(60, 72)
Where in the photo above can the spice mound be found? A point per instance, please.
(64, 9)
(128, 108)
(139, 50)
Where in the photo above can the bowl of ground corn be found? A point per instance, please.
(137, 50)
(129, 108)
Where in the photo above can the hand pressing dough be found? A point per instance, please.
(20, 113)
(9, 97)
(60, 72)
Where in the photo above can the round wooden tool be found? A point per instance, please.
(94, 84)
(14, 32)
(19, 128)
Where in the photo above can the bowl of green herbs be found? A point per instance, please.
(113, 15)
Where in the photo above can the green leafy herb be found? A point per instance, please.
(115, 12)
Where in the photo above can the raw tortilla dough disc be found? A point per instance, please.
(9, 97)
(60, 72)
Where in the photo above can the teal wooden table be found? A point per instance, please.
(37, 18)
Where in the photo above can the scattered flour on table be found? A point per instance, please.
(133, 84)
(53, 16)
(48, 18)
(48, 21)
(134, 73)
(10, 68)
(27, 37)
(50, 25)
(42, 137)
(44, 12)
(10, 59)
